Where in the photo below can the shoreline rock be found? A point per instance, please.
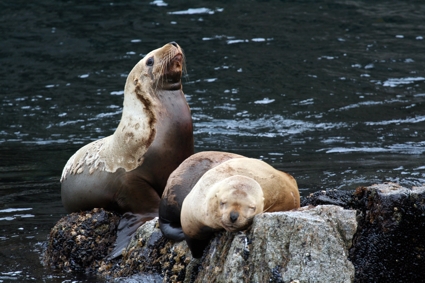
(371, 234)
(389, 245)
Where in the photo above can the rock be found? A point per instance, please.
(279, 246)
(149, 252)
(81, 241)
(390, 243)
(309, 245)
(375, 234)
(329, 197)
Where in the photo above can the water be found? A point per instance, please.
(332, 92)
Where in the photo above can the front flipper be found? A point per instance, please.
(197, 245)
(128, 225)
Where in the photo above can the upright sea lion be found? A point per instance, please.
(128, 170)
(228, 197)
(180, 183)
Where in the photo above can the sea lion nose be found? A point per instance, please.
(234, 216)
(174, 43)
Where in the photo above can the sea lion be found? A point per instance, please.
(127, 171)
(229, 195)
(180, 183)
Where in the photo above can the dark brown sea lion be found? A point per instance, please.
(180, 183)
(127, 171)
(228, 197)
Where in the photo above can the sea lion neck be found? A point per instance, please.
(134, 134)
(170, 85)
(165, 94)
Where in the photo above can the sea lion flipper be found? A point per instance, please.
(170, 231)
(197, 246)
(128, 225)
(169, 219)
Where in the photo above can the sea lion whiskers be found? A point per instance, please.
(271, 205)
(164, 64)
(184, 69)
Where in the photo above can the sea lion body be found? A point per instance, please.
(180, 183)
(128, 170)
(229, 195)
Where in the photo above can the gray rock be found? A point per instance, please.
(309, 245)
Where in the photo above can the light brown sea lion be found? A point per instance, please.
(128, 170)
(229, 195)
(180, 183)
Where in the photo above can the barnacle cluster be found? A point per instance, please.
(81, 241)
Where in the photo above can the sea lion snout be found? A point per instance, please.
(234, 216)
(172, 66)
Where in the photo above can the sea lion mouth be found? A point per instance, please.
(172, 73)
(233, 227)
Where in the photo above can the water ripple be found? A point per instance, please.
(196, 11)
(414, 120)
(267, 126)
(415, 148)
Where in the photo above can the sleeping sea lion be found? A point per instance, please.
(228, 197)
(180, 183)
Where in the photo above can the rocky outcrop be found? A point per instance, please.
(372, 234)
(308, 245)
(279, 247)
(81, 241)
(389, 245)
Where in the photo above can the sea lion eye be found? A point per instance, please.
(252, 207)
(150, 62)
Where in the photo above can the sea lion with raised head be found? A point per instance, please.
(127, 171)
(228, 197)
(180, 183)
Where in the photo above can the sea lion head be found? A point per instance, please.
(239, 199)
(161, 68)
(156, 74)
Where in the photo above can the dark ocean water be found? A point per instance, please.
(332, 92)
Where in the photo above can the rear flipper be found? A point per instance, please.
(170, 230)
(128, 225)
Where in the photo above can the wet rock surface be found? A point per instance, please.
(82, 241)
(389, 245)
(371, 234)
(309, 245)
